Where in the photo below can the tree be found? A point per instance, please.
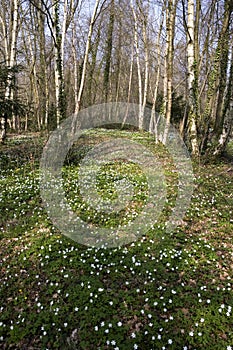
(218, 105)
(59, 57)
(153, 121)
(88, 43)
(141, 20)
(224, 130)
(170, 29)
(192, 67)
(10, 59)
(9, 106)
(108, 50)
(223, 116)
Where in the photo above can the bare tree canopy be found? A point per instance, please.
(173, 56)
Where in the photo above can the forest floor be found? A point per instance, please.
(163, 291)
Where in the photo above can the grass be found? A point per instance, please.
(160, 292)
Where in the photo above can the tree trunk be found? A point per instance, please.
(83, 77)
(58, 59)
(192, 80)
(170, 28)
(10, 64)
(119, 63)
(44, 90)
(153, 122)
(146, 50)
(129, 86)
(216, 88)
(219, 116)
(136, 45)
(108, 53)
(34, 84)
(227, 113)
(94, 46)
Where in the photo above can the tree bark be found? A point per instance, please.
(226, 128)
(153, 122)
(215, 94)
(223, 67)
(192, 79)
(83, 77)
(44, 89)
(146, 53)
(129, 85)
(58, 64)
(108, 53)
(11, 61)
(170, 28)
(136, 45)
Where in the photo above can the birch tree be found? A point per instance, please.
(142, 90)
(136, 45)
(44, 88)
(108, 51)
(153, 122)
(146, 54)
(94, 71)
(170, 31)
(58, 58)
(58, 22)
(87, 49)
(192, 76)
(10, 56)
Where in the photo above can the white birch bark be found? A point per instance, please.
(6, 53)
(34, 83)
(43, 68)
(153, 122)
(4, 33)
(170, 27)
(75, 63)
(129, 85)
(191, 78)
(59, 55)
(11, 55)
(64, 28)
(146, 49)
(136, 45)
